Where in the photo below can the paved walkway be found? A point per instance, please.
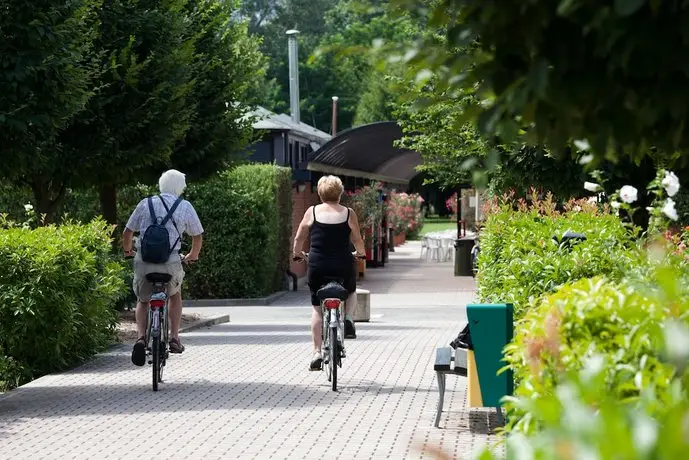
(242, 390)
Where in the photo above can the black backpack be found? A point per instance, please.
(155, 244)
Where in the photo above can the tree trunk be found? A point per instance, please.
(48, 199)
(107, 194)
(108, 203)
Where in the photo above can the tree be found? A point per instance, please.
(226, 67)
(612, 74)
(448, 147)
(140, 109)
(46, 78)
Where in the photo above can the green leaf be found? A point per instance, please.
(628, 7)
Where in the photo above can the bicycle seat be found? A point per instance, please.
(158, 277)
(332, 290)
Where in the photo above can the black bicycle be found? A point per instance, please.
(158, 328)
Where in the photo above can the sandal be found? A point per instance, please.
(139, 352)
(176, 346)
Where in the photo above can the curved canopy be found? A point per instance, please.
(367, 151)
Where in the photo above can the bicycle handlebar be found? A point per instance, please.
(306, 256)
(181, 257)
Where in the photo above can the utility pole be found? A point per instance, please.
(293, 53)
(334, 123)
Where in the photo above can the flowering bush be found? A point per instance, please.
(404, 213)
(451, 205)
(367, 205)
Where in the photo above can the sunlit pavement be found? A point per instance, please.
(243, 389)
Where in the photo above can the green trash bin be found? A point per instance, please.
(463, 248)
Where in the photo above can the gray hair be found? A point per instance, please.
(172, 181)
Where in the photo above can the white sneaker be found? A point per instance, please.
(316, 361)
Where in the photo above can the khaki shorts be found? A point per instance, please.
(143, 288)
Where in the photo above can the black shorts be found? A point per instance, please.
(320, 276)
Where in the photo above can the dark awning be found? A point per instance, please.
(368, 152)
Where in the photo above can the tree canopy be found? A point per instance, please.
(611, 75)
(99, 95)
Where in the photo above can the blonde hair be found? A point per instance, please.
(172, 181)
(330, 188)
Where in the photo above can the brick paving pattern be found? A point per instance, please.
(242, 390)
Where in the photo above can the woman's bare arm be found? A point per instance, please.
(302, 232)
(356, 238)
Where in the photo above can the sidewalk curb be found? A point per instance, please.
(205, 322)
(234, 302)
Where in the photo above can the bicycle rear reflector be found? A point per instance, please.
(157, 303)
(332, 304)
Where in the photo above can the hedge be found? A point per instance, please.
(246, 240)
(520, 261)
(57, 287)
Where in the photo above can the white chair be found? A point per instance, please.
(433, 249)
(446, 247)
(424, 245)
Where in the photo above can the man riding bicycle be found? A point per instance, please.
(333, 228)
(181, 218)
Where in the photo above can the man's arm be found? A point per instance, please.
(196, 243)
(127, 238)
(195, 229)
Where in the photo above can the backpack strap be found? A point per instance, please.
(170, 212)
(154, 219)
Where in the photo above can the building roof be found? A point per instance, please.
(265, 119)
(367, 151)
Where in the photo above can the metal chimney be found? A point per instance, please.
(293, 51)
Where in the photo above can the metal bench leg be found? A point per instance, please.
(441, 397)
(501, 417)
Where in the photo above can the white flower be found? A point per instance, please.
(669, 209)
(28, 207)
(629, 194)
(582, 144)
(577, 208)
(592, 199)
(586, 159)
(671, 183)
(615, 204)
(592, 186)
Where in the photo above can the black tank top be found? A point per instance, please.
(330, 243)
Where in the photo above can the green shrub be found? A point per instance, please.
(520, 261)
(587, 318)
(57, 287)
(240, 216)
(284, 205)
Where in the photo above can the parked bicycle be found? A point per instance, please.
(332, 297)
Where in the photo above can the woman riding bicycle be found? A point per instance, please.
(333, 228)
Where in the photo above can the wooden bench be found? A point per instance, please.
(446, 362)
(456, 362)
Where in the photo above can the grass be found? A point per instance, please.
(437, 224)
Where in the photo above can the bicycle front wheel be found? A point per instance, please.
(334, 356)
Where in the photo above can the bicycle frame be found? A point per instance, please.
(158, 332)
(332, 317)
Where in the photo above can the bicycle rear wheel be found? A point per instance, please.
(334, 356)
(155, 351)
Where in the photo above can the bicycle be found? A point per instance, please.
(158, 325)
(158, 322)
(332, 297)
